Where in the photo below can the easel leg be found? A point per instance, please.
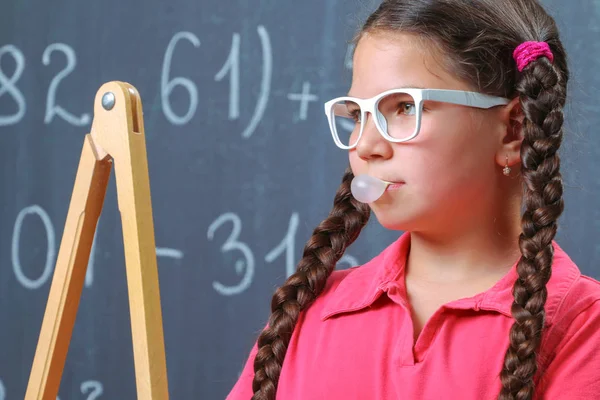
(133, 190)
(69, 275)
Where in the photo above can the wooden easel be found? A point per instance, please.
(117, 134)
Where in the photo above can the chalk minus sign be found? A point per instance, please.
(171, 253)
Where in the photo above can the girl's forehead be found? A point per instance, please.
(390, 61)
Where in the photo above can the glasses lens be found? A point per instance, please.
(398, 115)
(346, 121)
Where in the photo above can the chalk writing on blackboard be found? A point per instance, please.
(9, 85)
(92, 390)
(244, 266)
(51, 248)
(231, 67)
(51, 108)
(24, 280)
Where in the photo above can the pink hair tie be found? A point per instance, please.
(527, 52)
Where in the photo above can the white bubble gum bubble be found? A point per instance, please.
(367, 189)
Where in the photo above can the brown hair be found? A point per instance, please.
(478, 39)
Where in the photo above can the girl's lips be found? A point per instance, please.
(394, 186)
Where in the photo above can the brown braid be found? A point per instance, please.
(543, 95)
(321, 253)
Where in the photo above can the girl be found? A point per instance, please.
(457, 103)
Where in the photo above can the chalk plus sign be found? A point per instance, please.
(303, 98)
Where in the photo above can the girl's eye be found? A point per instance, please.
(406, 108)
(355, 115)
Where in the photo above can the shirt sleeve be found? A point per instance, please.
(574, 372)
(242, 390)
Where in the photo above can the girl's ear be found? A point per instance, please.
(512, 118)
(516, 117)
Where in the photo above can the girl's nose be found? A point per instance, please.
(372, 144)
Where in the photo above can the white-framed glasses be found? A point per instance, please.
(397, 112)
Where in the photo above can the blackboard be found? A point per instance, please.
(242, 168)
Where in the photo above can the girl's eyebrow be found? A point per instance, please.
(409, 86)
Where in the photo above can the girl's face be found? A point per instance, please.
(449, 170)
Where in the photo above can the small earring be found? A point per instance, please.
(506, 169)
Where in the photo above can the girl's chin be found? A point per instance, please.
(392, 221)
(397, 216)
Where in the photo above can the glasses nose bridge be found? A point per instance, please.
(371, 137)
(379, 122)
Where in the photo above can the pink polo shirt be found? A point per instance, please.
(356, 340)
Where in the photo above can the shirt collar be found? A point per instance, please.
(363, 285)
(564, 274)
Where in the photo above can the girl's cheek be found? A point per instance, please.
(355, 161)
